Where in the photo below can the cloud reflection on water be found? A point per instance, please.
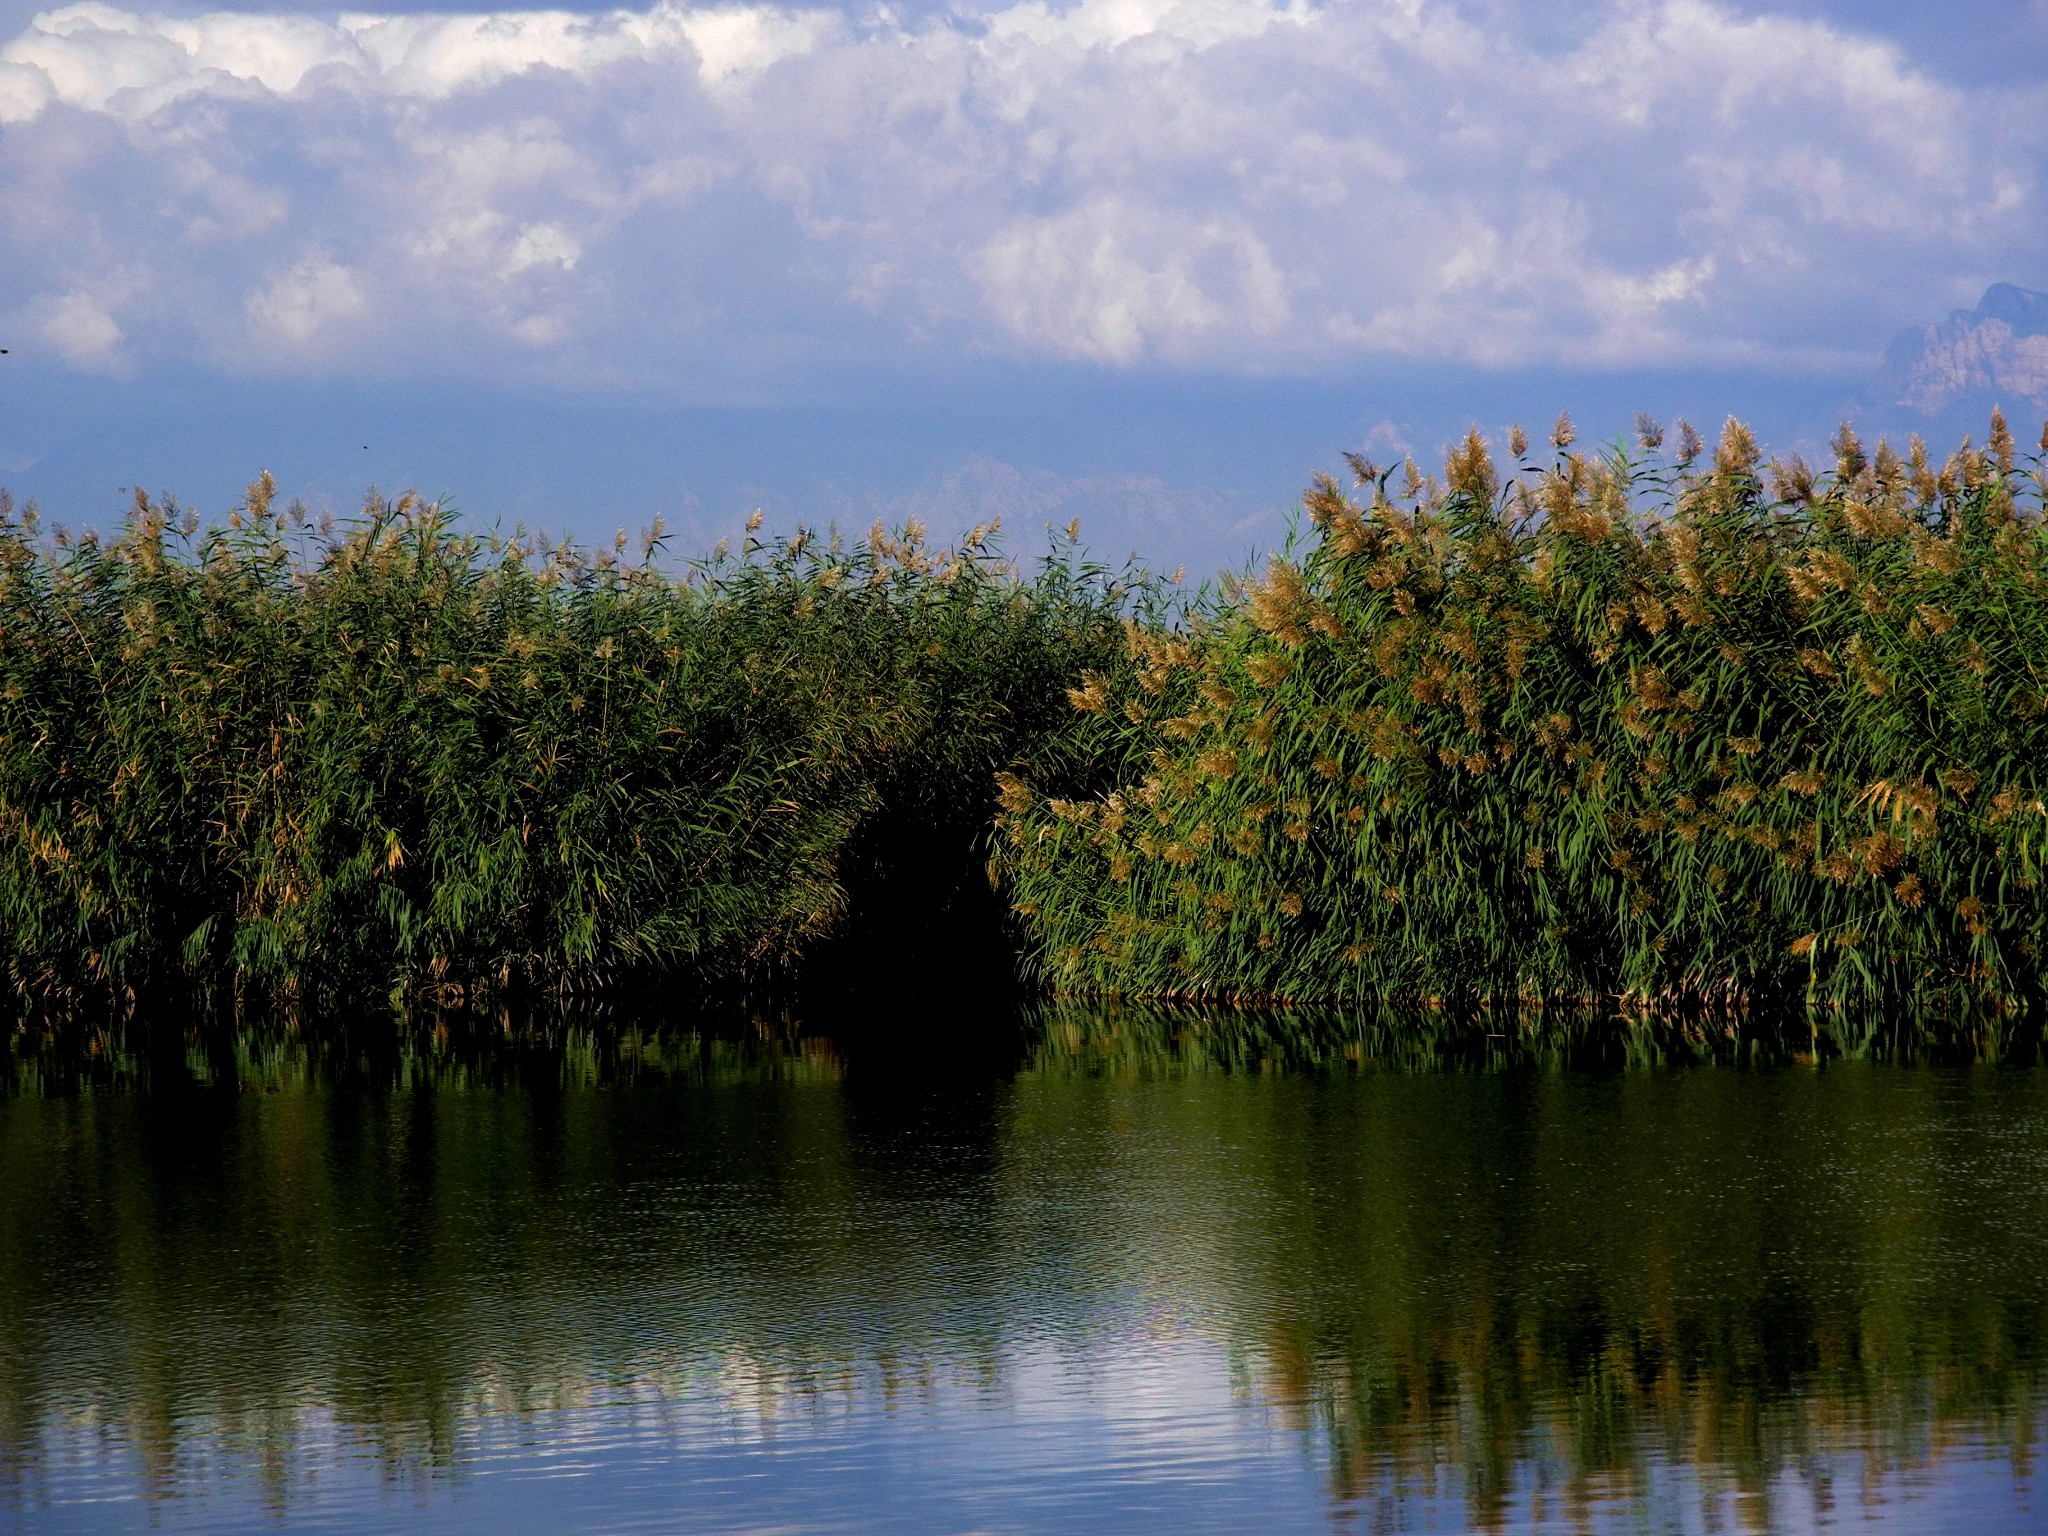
(669, 1282)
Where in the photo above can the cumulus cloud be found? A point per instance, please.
(300, 304)
(744, 192)
(82, 331)
(1101, 283)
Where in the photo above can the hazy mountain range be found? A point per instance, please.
(1996, 353)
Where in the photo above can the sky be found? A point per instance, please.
(1148, 262)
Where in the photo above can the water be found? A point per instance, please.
(1126, 1280)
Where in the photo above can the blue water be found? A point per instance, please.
(691, 1289)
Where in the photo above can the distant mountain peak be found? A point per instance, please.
(1998, 349)
(2021, 308)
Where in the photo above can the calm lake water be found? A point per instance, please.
(1129, 1276)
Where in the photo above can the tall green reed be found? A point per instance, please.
(264, 757)
(1679, 728)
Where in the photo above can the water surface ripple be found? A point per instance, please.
(696, 1287)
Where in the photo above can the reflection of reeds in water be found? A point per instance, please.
(1463, 1280)
(1688, 730)
(461, 1051)
(1705, 1278)
(1610, 1433)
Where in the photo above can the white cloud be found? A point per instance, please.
(543, 245)
(108, 60)
(1110, 284)
(98, 56)
(1110, 23)
(25, 90)
(303, 302)
(739, 192)
(84, 334)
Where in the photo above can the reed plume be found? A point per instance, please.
(1649, 725)
(262, 756)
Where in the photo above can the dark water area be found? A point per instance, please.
(1118, 1273)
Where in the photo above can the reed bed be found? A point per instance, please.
(263, 757)
(1651, 723)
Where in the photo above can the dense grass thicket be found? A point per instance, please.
(267, 758)
(1663, 724)
(1671, 726)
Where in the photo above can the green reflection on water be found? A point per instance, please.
(1736, 1255)
(1735, 1267)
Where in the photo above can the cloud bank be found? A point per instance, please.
(734, 198)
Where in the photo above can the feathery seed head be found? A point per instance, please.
(1269, 668)
(1469, 472)
(2000, 441)
(1849, 456)
(1793, 480)
(1737, 454)
(1092, 697)
(1014, 793)
(1277, 601)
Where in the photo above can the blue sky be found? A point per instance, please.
(1147, 261)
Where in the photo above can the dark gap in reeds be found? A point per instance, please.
(1672, 735)
(391, 760)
